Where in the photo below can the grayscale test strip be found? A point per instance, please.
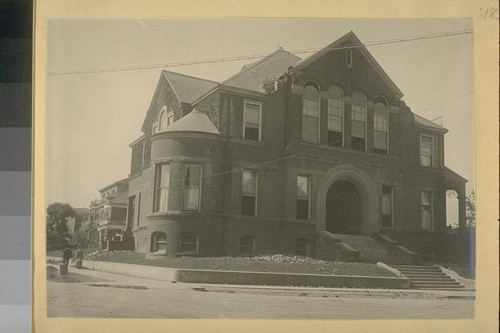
(15, 165)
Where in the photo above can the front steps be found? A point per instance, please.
(370, 249)
(428, 277)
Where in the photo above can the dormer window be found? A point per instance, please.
(252, 120)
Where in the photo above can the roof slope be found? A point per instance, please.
(194, 121)
(188, 88)
(423, 122)
(358, 45)
(252, 76)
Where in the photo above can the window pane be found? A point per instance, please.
(302, 187)
(386, 205)
(426, 198)
(380, 140)
(251, 133)
(192, 175)
(164, 175)
(192, 198)
(252, 113)
(335, 138)
(426, 220)
(310, 129)
(302, 209)
(249, 182)
(248, 205)
(335, 123)
(302, 247)
(358, 129)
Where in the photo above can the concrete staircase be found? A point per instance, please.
(370, 249)
(428, 277)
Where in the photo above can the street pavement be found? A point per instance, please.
(106, 295)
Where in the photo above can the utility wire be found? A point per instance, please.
(256, 56)
(327, 146)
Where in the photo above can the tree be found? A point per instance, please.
(58, 215)
(470, 209)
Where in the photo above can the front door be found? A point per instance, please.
(343, 209)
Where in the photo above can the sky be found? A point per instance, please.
(93, 117)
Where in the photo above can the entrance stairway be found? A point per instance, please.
(427, 277)
(370, 249)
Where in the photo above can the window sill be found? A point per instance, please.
(248, 142)
(188, 254)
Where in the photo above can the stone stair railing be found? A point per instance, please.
(331, 248)
(406, 255)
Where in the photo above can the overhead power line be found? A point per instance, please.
(256, 56)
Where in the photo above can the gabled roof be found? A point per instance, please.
(194, 121)
(359, 45)
(426, 123)
(253, 76)
(188, 88)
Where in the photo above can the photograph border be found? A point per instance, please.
(486, 142)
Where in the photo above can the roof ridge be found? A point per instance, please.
(255, 64)
(190, 76)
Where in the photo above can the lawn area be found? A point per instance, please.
(263, 263)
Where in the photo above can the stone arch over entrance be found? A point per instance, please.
(365, 189)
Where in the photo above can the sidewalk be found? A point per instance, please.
(124, 280)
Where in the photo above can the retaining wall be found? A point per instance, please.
(247, 278)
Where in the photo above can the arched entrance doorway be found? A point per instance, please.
(344, 208)
(362, 195)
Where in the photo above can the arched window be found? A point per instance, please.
(247, 245)
(310, 114)
(335, 116)
(380, 126)
(358, 121)
(159, 242)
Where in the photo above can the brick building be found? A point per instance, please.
(285, 152)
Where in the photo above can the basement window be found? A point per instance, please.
(247, 245)
(303, 197)
(302, 247)
(188, 243)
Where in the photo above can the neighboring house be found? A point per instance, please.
(109, 213)
(285, 151)
(75, 223)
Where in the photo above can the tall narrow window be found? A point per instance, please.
(159, 242)
(138, 209)
(426, 151)
(188, 243)
(335, 116)
(380, 127)
(358, 121)
(162, 187)
(131, 212)
(303, 196)
(349, 57)
(249, 193)
(310, 115)
(387, 206)
(166, 118)
(247, 245)
(426, 210)
(252, 118)
(191, 187)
